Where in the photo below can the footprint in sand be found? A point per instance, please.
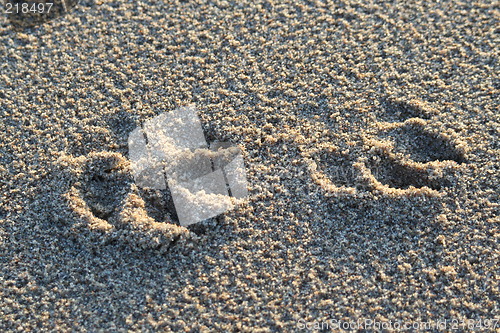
(172, 180)
(106, 201)
(408, 157)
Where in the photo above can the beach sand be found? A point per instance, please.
(370, 134)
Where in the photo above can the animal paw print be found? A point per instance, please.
(407, 157)
(108, 203)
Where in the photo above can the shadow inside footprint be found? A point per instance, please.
(105, 183)
(423, 146)
(394, 174)
(159, 204)
(337, 167)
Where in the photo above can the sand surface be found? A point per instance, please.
(370, 134)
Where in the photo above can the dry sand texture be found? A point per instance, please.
(370, 133)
